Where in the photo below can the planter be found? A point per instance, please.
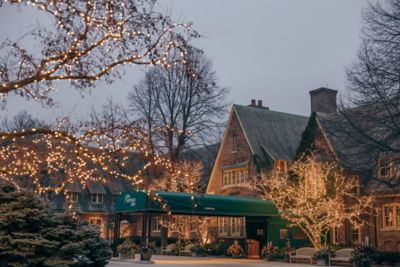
(145, 254)
(238, 256)
(126, 256)
(321, 262)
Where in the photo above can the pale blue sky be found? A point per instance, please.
(274, 50)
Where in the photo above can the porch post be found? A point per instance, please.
(117, 219)
(144, 227)
(149, 217)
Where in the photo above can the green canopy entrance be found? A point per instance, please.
(256, 211)
(202, 204)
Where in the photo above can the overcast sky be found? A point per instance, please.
(274, 50)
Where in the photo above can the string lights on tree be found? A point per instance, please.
(90, 40)
(316, 197)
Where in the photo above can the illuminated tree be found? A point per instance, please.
(315, 196)
(184, 177)
(87, 41)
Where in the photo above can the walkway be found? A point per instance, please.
(202, 262)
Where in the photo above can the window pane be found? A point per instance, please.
(388, 217)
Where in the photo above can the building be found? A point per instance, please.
(330, 136)
(258, 140)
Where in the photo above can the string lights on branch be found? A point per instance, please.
(90, 40)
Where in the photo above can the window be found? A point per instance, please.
(72, 197)
(223, 225)
(335, 236)
(298, 234)
(384, 168)
(281, 166)
(156, 226)
(234, 142)
(97, 198)
(230, 226)
(96, 221)
(234, 177)
(236, 226)
(48, 195)
(356, 235)
(389, 167)
(388, 217)
(283, 233)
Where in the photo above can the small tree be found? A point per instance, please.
(315, 196)
(32, 235)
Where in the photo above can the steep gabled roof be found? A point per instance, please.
(355, 152)
(271, 133)
(350, 148)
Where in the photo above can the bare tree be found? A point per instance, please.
(181, 105)
(373, 110)
(89, 40)
(22, 120)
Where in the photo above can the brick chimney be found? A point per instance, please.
(253, 103)
(259, 103)
(323, 100)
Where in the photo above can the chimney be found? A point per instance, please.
(253, 103)
(259, 103)
(323, 100)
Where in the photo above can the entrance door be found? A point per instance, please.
(256, 228)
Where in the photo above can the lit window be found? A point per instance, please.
(235, 226)
(72, 197)
(156, 224)
(388, 217)
(95, 221)
(281, 166)
(223, 226)
(97, 198)
(234, 176)
(283, 233)
(356, 235)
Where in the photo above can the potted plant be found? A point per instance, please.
(362, 256)
(269, 251)
(235, 250)
(127, 249)
(322, 257)
(145, 254)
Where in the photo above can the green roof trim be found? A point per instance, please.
(202, 204)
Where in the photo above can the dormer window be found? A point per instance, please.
(72, 197)
(97, 198)
(388, 167)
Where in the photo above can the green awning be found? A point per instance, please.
(203, 204)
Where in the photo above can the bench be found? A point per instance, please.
(305, 253)
(341, 256)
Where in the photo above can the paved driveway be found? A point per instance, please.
(202, 261)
